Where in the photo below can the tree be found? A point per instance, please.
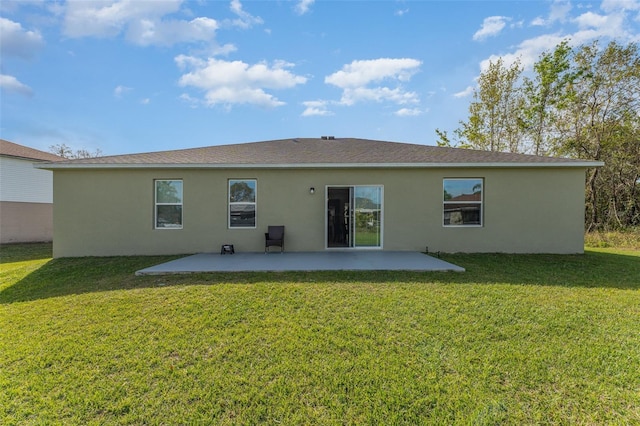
(601, 121)
(581, 103)
(168, 191)
(240, 191)
(544, 95)
(65, 151)
(494, 115)
(443, 138)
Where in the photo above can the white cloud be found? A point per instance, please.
(146, 22)
(12, 84)
(216, 50)
(193, 102)
(147, 32)
(143, 22)
(236, 82)
(360, 73)
(408, 112)
(351, 96)
(108, 18)
(245, 19)
(401, 12)
(595, 26)
(16, 41)
(611, 23)
(591, 20)
(463, 94)
(145, 101)
(356, 78)
(491, 26)
(538, 22)
(559, 10)
(558, 13)
(316, 108)
(613, 5)
(527, 52)
(303, 6)
(120, 91)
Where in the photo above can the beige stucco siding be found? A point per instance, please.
(25, 222)
(111, 212)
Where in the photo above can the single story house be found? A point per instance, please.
(329, 193)
(26, 194)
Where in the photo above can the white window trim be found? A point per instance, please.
(481, 203)
(229, 203)
(156, 204)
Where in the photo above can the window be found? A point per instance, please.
(462, 199)
(242, 203)
(168, 212)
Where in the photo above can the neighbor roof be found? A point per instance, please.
(10, 149)
(319, 152)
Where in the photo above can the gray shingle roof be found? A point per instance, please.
(10, 149)
(309, 152)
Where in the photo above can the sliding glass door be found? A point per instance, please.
(367, 216)
(354, 216)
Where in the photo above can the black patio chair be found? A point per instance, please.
(275, 237)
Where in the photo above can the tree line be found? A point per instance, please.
(581, 102)
(65, 151)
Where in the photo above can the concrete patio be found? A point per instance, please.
(310, 261)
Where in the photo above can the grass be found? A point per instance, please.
(517, 339)
(628, 239)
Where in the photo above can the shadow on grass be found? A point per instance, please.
(10, 253)
(69, 276)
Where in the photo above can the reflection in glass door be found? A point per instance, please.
(367, 216)
(354, 216)
(339, 216)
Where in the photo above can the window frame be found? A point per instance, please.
(480, 203)
(237, 203)
(156, 204)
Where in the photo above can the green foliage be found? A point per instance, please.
(443, 138)
(494, 114)
(581, 103)
(545, 95)
(241, 191)
(517, 339)
(602, 123)
(168, 191)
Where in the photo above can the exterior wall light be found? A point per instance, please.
(312, 190)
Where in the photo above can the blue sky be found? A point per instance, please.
(128, 76)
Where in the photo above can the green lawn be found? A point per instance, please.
(517, 339)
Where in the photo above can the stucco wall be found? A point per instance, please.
(25, 222)
(111, 212)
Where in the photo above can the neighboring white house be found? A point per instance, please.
(26, 194)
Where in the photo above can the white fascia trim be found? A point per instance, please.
(580, 164)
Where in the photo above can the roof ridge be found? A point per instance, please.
(12, 149)
(295, 152)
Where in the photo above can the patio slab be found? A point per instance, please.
(306, 261)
